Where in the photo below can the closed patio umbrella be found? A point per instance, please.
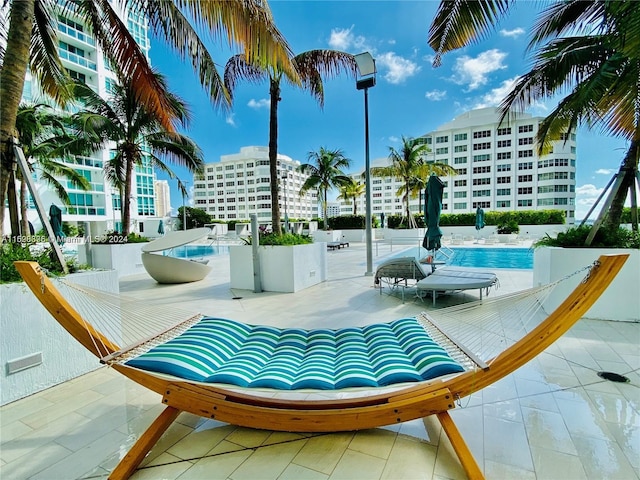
(479, 218)
(161, 227)
(55, 217)
(432, 210)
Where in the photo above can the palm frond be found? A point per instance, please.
(238, 68)
(460, 22)
(317, 66)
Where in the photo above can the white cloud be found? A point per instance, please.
(436, 95)
(399, 68)
(474, 71)
(344, 39)
(394, 139)
(231, 119)
(515, 33)
(494, 97)
(257, 104)
(605, 171)
(586, 195)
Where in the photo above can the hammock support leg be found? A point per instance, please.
(469, 463)
(149, 438)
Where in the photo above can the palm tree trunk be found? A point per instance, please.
(324, 210)
(12, 75)
(355, 206)
(126, 197)
(24, 221)
(274, 91)
(628, 170)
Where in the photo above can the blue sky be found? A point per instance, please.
(411, 97)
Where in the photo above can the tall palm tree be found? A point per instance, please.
(30, 32)
(41, 132)
(353, 190)
(409, 166)
(591, 49)
(310, 68)
(138, 134)
(325, 172)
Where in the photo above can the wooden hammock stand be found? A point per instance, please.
(435, 397)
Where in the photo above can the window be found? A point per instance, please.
(461, 171)
(503, 204)
(525, 153)
(482, 181)
(525, 203)
(501, 192)
(460, 148)
(482, 158)
(525, 166)
(482, 146)
(459, 194)
(482, 134)
(505, 167)
(482, 169)
(553, 162)
(525, 141)
(459, 160)
(525, 190)
(503, 180)
(481, 204)
(525, 128)
(460, 183)
(504, 155)
(525, 178)
(442, 151)
(228, 167)
(504, 131)
(443, 139)
(459, 137)
(504, 143)
(482, 193)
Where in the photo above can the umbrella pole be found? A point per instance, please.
(26, 177)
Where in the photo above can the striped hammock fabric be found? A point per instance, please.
(225, 351)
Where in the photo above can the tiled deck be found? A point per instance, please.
(552, 419)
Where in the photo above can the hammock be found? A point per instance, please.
(488, 340)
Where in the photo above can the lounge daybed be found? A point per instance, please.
(398, 272)
(454, 280)
(338, 245)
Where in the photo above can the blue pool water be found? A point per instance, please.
(521, 258)
(196, 251)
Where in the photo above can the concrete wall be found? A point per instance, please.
(27, 329)
(125, 258)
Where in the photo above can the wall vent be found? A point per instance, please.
(22, 363)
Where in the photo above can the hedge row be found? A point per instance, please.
(528, 217)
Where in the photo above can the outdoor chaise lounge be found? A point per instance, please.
(397, 272)
(454, 280)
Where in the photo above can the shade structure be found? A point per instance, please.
(432, 210)
(55, 217)
(161, 227)
(479, 218)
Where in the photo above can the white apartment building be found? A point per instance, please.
(163, 198)
(84, 61)
(240, 184)
(497, 165)
(333, 210)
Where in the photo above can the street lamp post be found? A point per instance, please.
(367, 79)
(285, 178)
(184, 208)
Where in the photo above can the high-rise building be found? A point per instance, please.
(163, 198)
(240, 184)
(497, 168)
(85, 62)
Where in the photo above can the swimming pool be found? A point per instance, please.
(480, 257)
(520, 258)
(195, 251)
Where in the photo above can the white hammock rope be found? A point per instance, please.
(472, 333)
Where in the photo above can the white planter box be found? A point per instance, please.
(125, 258)
(283, 268)
(327, 236)
(28, 329)
(354, 235)
(621, 301)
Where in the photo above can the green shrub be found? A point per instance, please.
(283, 239)
(576, 237)
(347, 222)
(12, 252)
(626, 215)
(510, 226)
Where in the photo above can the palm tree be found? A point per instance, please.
(353, 190)
(325, 172)
(138, 134)
(591, 49)
(41, 133)
(30, 31)
(408, 165)
(310, 69)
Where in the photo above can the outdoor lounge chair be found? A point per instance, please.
(397, 272)
(455, 280)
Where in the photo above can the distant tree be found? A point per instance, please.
(409, 166)
(310, 69)
(353, 190)
(325, 172)
(196, 218)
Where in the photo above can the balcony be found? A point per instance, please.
(77, 34)
(77, 60)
